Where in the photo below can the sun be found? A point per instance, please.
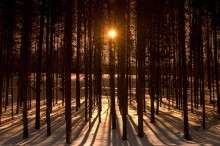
(112, 33)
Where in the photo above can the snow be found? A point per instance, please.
(167, 130)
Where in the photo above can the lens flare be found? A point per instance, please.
(112, 33)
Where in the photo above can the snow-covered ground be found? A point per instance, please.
(166, 131)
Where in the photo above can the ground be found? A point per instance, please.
(166, 131)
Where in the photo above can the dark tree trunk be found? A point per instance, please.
(183, 71)
(79, 36)
(98, 63)
(38, 70)
(140, 88)
(112, 48)
(112, 81)
(90, 57)
(67, 65)
(216, 55)
(49, 68)
(85, 61)
(1, 83)
(120, 13)
(24, 56)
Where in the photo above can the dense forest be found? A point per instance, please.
(151, 66)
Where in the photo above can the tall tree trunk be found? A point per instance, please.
(112, 48)
(38, 70)
(85, 60)
(1, 80)
(98, 64)
(90, 57)
(68, 65)
(120, 13)
(24, 55)
(183, 72)
(49, 69)
(79, 36)
(112, 81)
(216, 56)
(140, 88)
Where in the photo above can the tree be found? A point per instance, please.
(85, 60)
(98, 36)
(90, 54)
(214, 26)
(79, 36)
(182, 61)
(140, 86)
(67, 65)
(120, 13)
(24, 55)
(38, 70)
(112, 48)
(49, 68)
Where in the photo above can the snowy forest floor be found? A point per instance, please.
(167, 130)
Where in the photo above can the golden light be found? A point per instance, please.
(112, 33)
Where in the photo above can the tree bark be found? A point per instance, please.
(67, 65)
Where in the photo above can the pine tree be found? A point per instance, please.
(140, 86)
(183, 71)
(38, 70)
(24, 55)
(69, 4)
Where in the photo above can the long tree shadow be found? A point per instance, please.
(17, 123)
(116, 136)
(39, 136)
(98, 126)
(133, 139)
(95, 134)
(110, 130)
(88, 132)
(213, 138)
(164, 133)
(167, 123)
(198, 135)
(18, 116)
(59, 136)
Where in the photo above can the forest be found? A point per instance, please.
(109, 72)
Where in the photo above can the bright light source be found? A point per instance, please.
(112, 33)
